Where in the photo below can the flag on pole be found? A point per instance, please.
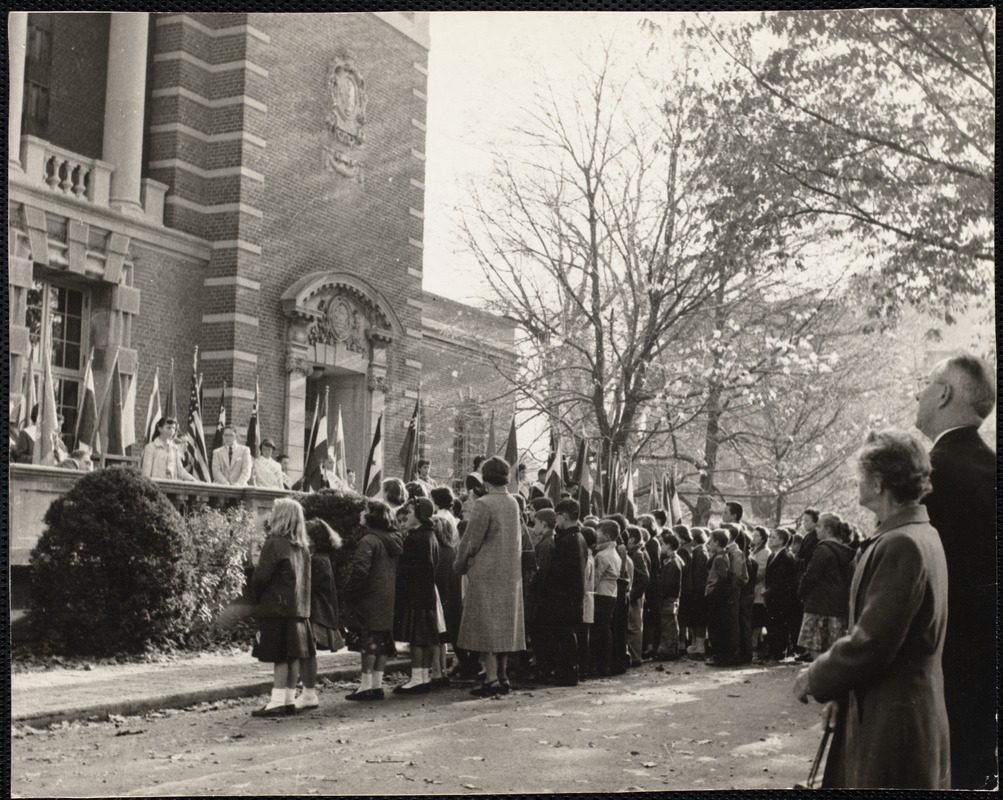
(195, 447)
(612, 483)
(340, 462)
(103, 433)
(87, 413)
(492, 450)
(253, 437)
(45, 448)
(512, 457)
(553, 483)
(153, 410)
(172, 409)
(313, 475)
(217, 436)
(654, 493)
(583, 477)
(115, 438)
(409, 451)
(627, 506)
(373, 478)
(28, 396)
(670, 499)
(129, 415)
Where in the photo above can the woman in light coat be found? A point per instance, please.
(883, 683)
(490, 555)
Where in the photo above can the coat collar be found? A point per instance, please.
(908, 515)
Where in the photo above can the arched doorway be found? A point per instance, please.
(339, 331)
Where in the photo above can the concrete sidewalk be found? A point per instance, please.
(42, 698)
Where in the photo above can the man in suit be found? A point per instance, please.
(780, 593)
(563, 592)
(954, 401)
(231, 463)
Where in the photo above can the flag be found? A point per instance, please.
(409, 451)
(670, 499)
(129, 414)
(512, 457)
(28, 398)
(253, 431)
(612, 483)
(340, 462)
(87, 413)
(153, 410)
(217, 437)
(492, 450)
(553, 483)
(626, 505)
(654, 498)
(171, 409)
(195, 448)
(44, 451)
(115, 438)
(583, 477)
(313, 475)
(373, 479)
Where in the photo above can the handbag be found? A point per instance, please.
(812, 776)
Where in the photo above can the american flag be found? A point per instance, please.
(196, 436)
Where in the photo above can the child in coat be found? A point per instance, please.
(280, 586)
(323, 606)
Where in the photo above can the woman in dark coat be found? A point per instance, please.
(783, 610)
(370, 594)
(824, 588)
(415, 617)
(697, 616)
(883, 683)
(448, 584)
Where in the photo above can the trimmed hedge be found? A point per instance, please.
(108, 573)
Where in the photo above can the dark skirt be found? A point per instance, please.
(326, 638)
(696, 616)
(282, 639)
(371, 643)
(419, 626)
(759, 615)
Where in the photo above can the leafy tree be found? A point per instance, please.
(880, 125)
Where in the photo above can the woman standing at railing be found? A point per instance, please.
(162, 457)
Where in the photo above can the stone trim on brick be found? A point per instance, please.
(419, 125)
(414, 212)
(415, 303)
(195, 61)
(410, 362)
(420, 68)
(219, 172)
(210, 138)
(222, 208)
(416, 243)
(215, 33)
(410, 394)
(417, 184)
(237, 244)
(229, 391)
(420, 95)
(417, 154)
(414, 273)
(244, 319)
(222, 102)
(414, 334)
(233, 280)
(228, 355)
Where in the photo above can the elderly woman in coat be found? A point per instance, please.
(490, 555)
(883, 682)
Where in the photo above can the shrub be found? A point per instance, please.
(107, 574)
(216, 546)
(340, 510)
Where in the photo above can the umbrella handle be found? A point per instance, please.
(818, 758)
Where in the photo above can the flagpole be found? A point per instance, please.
(90, 367)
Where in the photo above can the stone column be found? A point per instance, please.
(298, 369)
(123, 115)
(17, 46)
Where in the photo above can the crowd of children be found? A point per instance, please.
(567, 598)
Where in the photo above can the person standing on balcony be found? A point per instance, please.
(231, 463)
(266, 471)
(162, 456)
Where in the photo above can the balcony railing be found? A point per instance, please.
(33, 488)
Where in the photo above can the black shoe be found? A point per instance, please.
(719, 662)
(421, 688)
(440, 682)
(367, 695)
(487, 689)
(275, 711)
(504, 687)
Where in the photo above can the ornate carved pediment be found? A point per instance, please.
(309, 304)
(341, 322)
(346, 117)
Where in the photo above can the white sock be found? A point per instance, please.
(415, 678)
(278, 698)
(376, 681)
(365, 682)
(309, 695)
(290, 696)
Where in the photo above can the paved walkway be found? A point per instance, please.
(42, 698)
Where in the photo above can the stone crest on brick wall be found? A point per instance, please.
(346, 117)
(342, 322)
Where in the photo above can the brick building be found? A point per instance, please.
(251, 184)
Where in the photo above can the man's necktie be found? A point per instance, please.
(231, 453)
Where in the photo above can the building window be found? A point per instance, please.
(57, 318)
(37, 76)
(468, 438)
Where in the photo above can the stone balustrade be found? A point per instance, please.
(33, 488)
(66, 173)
